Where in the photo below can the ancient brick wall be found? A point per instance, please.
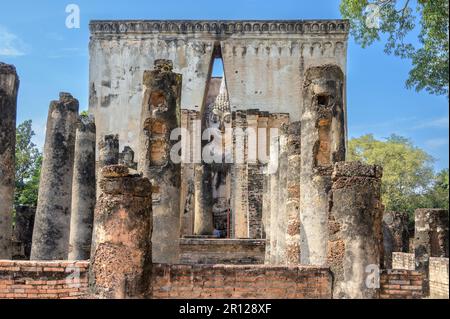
(438, 277)
(250, 282)
(220, 251)
(403, 261)
(401, 284)
(43, 280)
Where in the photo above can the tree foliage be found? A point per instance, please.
(28, 166)
(409, 181)
(396, 19)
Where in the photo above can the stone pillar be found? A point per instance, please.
(240, 177)
(108, 154)
(161, 114)
(395, 235)
(273, 186)
(9, 87)
(23, 228)
(293, 196)
(127, 158)
(281, 227)
(121, 259)
(355, 229)
(254, 180)
(203, 219)
(322, 145)
(108, 151)
(83, 190)
(52, 224)
(188, 175)
(430, 238)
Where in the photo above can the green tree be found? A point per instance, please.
(408, 180)
(396, 19)
(28, 166)
(438, 195)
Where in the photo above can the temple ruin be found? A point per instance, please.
(179, 182)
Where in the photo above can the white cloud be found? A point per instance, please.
(437, 143)
(10, 44)
(441, 122)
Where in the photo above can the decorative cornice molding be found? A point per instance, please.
(219, 28)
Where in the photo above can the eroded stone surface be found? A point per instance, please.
(52, 224)
(121, 249)
(354, 227)
(9, 86)
(83, 190)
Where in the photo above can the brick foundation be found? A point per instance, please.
(249, 282)
(43, 280)
(401, 284)
(222, 251)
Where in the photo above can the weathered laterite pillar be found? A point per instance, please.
(293, 196)
(23, 229)
(281, 222)
(354, 244)
(121, 257)
(430, 238)
(161, 113)
(127, 158)
(395, 235)
(322, 145)
(9, 87)
(83, 190)
(203, 219)
(52, 224)
(108, 154)
(239, 176)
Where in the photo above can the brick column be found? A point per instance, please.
(293, 196)
(395, 235)
(161, 114)
(121, 259)
(83, 191)
(52, 224)
(355, 230)
(322, 145)
(9, 86)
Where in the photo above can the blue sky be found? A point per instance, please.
(51, 58)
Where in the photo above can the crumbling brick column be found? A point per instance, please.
(52, 224)
(430, 238)
(239, 188)
(322, 145)
(203, 219)
(293, 196)
(9, 87)
(23, 229)
(121, 248)
(161, 114)
(355, 229)
(395, 235)
(83, 190)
